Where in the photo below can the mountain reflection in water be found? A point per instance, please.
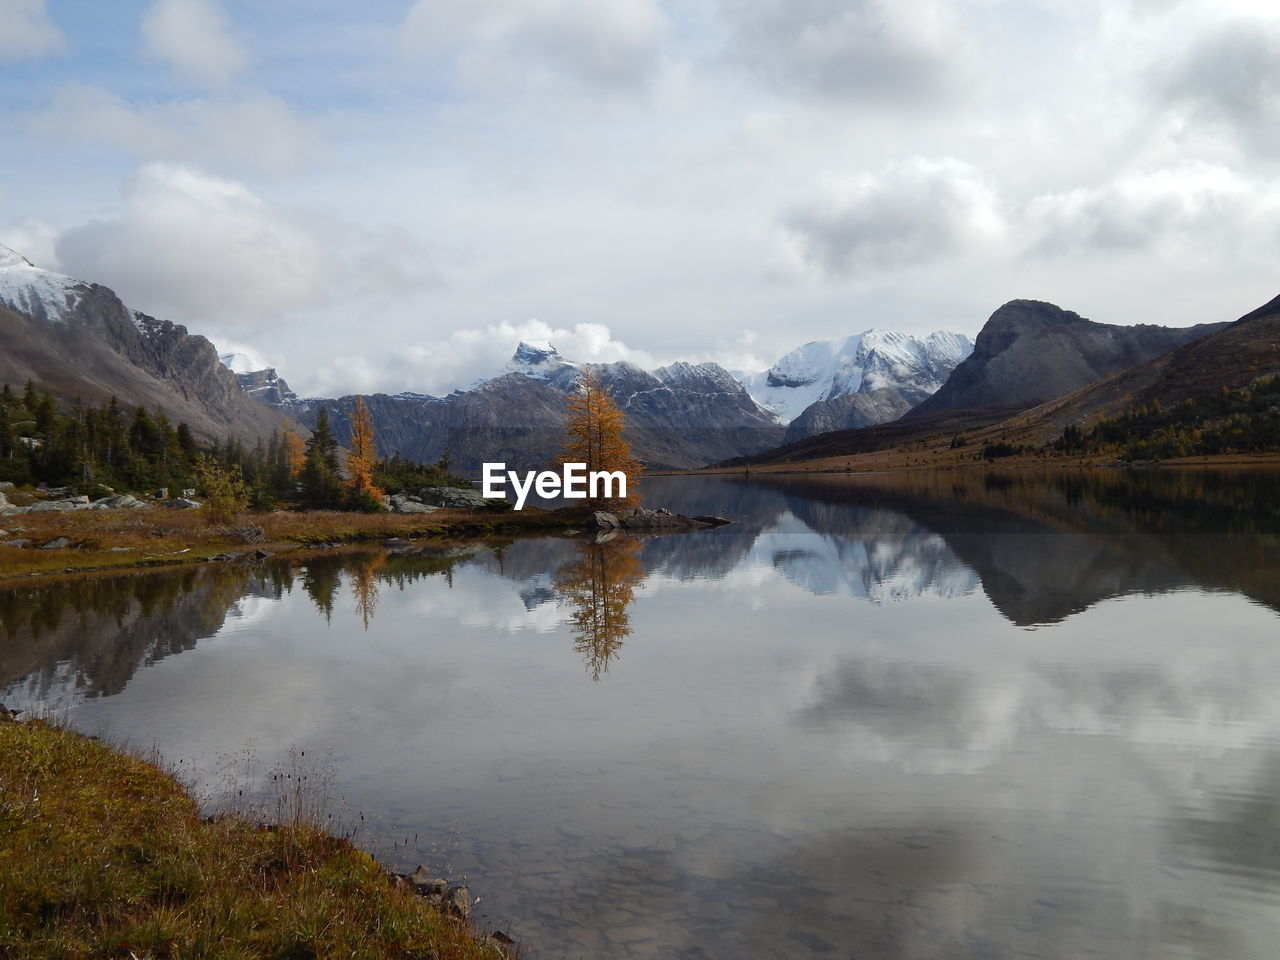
(953, 715)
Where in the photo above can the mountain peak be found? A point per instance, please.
(12, 258)
(535, 353)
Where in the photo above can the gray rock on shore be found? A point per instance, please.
(463, 498)
(406, 503)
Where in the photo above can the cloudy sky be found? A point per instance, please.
(389, 195)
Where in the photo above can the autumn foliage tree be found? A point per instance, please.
(595, 433)
(361, 491)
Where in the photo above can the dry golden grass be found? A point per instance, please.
(105, 855)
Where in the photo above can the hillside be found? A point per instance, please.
(77, 340)
(1029, 352)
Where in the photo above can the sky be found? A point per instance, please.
(389, 196)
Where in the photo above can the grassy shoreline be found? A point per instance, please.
(105, 854)
(106, 540)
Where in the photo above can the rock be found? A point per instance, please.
(403, 503)
(5, 485)
(19, 543)
(83, 498)
(426, 885)
(458, 900)
(57, 543)
(11, 511)
(51, 506)
(118, 502)
(603, 520)
(4, 501)
(182, 503)
(463, 498)
(260, 554)
(643, 519)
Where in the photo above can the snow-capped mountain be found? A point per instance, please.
(872, 360)
(77, 340)
(40, 294)
(265, 385)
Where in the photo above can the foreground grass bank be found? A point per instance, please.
(105, 855)
(115, 539)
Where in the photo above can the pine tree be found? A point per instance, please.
(361, 492)
(594, 428)
(323, 442)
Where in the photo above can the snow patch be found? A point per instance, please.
(38, 293)
(871, 360)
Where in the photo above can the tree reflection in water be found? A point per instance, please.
(598, 587)
(364, 585)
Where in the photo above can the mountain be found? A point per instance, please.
(265, 386)
(1029, 352)
(77, 340)
(682, 415)
(868, 378)
(1233, 356)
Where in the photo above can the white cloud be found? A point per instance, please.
(194, 37)
(34, 239)
(464, 356)
(1193, 212)
(611, 44)
(908, 214)
(1227, 77)
(190, 246)
(28, 32)
(259, 131)
(867, 50)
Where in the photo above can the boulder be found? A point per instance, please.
(458, 900)
(5, 485)
(119, 502)
(603, 520)
(57, 543)
(4, 501)
(403, 503)
(641, 518)
(182, 503)
(51, 506)
(464, 498)
(19, 542)
(427, 885)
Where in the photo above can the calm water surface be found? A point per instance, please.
(876, 718)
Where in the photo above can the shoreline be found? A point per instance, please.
(115, 843)
(114, 541)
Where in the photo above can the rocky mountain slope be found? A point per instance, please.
(1029, 352)
(682, 415)
(1232, 356)
(77, 340)
(868, 378)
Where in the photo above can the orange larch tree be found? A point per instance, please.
(363, 456)
(295, 454)
(595, 433)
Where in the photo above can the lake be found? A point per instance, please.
(946, 716)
